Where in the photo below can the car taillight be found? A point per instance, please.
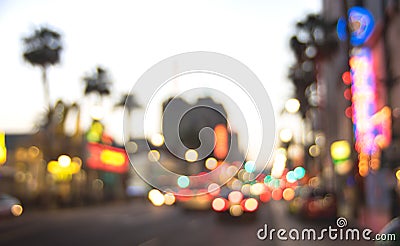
(249, 205)
(220, 204)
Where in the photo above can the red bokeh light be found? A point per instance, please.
(346, 78)
(347, 94)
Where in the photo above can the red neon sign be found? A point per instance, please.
(107, 158)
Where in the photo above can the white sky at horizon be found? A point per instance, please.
(128, 37)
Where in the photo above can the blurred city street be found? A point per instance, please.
(207, 122)
(139, 223)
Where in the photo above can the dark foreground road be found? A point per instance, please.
(139, 223)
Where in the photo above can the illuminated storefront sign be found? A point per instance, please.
(221, 141)
(361, 25)
(3, 149)
(107, 158)
(371, 127)
(364, 101)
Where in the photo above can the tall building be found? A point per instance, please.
(368, 34)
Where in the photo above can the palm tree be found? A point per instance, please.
(98, 82)
(42, 48)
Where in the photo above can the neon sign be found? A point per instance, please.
(361, 24)
(221, 141)
(364, 101)
(107, 158)
(371, 128)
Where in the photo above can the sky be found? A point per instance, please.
(128, 37)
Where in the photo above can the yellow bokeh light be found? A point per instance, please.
(157, 139)
(314, 150)
(285, 135)
(64, 160)
(236, 210)
(153, 155)
(340, 150)
(292, 105)
(251, 204)
(218, 204)
(169, 199)
(16, 210)
(3, 149)
(211, 163)
(156, 197)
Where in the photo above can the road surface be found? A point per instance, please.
(137, 222)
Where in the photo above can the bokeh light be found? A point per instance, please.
(156, 197)
(219, 204)
(153, 155)
(291, 177)
(250, 205)
(191, 155)
(211, 163)
(213, 189)
(183, 181)
(285, 135)
(277, 194)
(288, 194)
(235, 197)
(64, 160)
(292, 105)
(299, 172)
(169, 199)
(236, 210)
(157, 139)
(250, 166)
(16, 210)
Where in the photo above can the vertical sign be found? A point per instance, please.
(221, 141)
(363, 99)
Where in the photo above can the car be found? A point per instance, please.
(235, 203)
(10, 206)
